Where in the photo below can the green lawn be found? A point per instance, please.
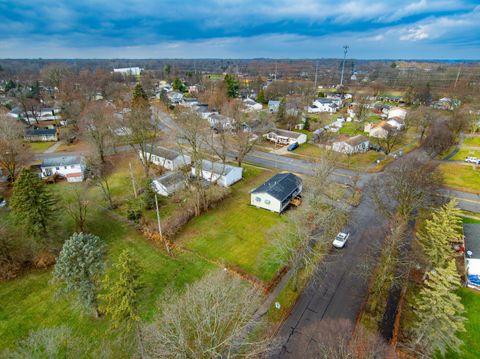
(472, 141)
(464, 153)
(235, 233)
(471, 338)
(30, 302)
(460, 176)
(40, 147)
(352, 128)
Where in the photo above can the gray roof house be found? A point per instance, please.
(165, 157)
(70, 167)
(40, 134)
(169, 183)
(277, 193)
(273, 105)
(222, 174)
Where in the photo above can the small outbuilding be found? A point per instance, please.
(169, 183)
(216, 172)
(277, 193)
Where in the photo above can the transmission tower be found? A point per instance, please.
(345, 50)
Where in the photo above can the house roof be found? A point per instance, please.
(40, 132)
(63, 161)
(273, 103)
(385, 125)
(286, 133)
(162, 152)
(472, 239)
(170, 179)
(356, 140)
(217, 167)
(280, 186)
(397, 119)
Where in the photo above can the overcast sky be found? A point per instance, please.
(410, 29)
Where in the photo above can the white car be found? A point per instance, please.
(471, 159)
(341, 240)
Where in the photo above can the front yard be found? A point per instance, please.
(472, 141)
(461, 176)
(235, 233)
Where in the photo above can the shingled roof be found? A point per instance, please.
(280, 186)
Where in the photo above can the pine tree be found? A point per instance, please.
(282, 112)
(140, 98)
(178, 85)
(261, 97)
(439, 232)
(122, 292)
(79, 266)
(232, 85)
(32, 204)
(438, 313)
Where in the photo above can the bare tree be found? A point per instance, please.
(13, 152)
(77, 207)
(439, 138)
(100, 175)
(96, 124)
(420, 119)
(406, 186)
(206, 321)
(393, 139)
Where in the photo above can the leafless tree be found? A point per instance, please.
(406, 186)
(13, 152)
(96, 124)
(439, 138)
(393, 139)
(100, 175)
(206, 321)
(77, 207)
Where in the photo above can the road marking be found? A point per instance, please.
(458, 198)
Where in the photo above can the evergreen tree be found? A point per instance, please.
(232, 85)
(148, 195)
(261, 97)
(438, 313)
(178, 85)
(79, 266)
(122, 292)
(32, 204)
(140, 98)
(282, 112)
(439, 232)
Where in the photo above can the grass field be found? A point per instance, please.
(235, 232)
(460, 176)
(40, 147)
(472, 141)
(464, 153)
(471, 338)
(352, 129)
(30, 302)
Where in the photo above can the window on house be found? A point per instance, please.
(267, 201)
(258, 199)
(65, 167)
(72, 166)
(57, 168)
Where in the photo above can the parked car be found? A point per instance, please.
(472, 159)
(293, 146)
(340, 240)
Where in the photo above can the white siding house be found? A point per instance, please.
(40, 134)
(397, 112)
(285, 137)
(134, 71)
(324, 105)
(217, 172)
(355, 144)
(164, 157)
(276, 194)
(70, 167)
(169, 183)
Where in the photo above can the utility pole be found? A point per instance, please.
(316, 76)
(159, 225)
(458, 75)
(133, 180)
(345, 50)
(275, 75)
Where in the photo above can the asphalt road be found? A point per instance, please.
(340, 289)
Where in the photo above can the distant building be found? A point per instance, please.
(134, 71)
(352, 145)
(273, 106)
(219, 173)
(379, 130)
(276, 193)
(165, 157)
(40, 134)
(70, 167)
(397, 112)
(169, 183)
(324, 105)
(285, 137)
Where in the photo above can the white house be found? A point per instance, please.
(273, 106)
(285, 137)
(397, 122)
(40, 134)
(219, 173)
(165, 157)
(355, 144)
(174, 97)
(252, 105)
(324, 105)
(70, 167)
(277, 193)
(472, 254)
(379, 130)
(397, 112)
(169, 183)
(135, 71)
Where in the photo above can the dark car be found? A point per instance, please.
(292, 146)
